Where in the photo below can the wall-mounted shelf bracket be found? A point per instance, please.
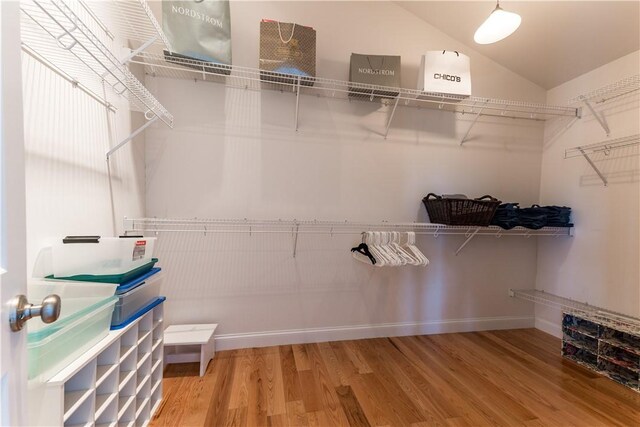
(393, 112)
(130, 137)
(142, 48)
(469, 235)
(131, 55)
(604, 94)
(605, 148)
(595, 168)
(599, 117)
(297, 102)
(473, 122)
(295, 240)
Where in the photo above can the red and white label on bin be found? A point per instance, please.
(139, 250)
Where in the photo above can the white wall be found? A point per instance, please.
(233, 154)
(70, 188)
(600, 264)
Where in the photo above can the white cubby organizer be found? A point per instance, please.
(118, 382)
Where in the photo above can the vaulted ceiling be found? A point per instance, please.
(557, 40)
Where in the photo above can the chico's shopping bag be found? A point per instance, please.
(376, 70)
(200, 30)
(287, 49)
(445, 72)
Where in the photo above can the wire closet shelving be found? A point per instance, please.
(606, 93)
(628, 323)
(296, 227)
(601, 147)
(158, 65)
(69, 38)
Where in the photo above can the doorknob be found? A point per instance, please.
(20, 311)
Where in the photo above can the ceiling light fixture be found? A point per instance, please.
(499, 25)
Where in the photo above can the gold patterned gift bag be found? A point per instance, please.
(287, 53)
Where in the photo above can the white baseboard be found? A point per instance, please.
(341, 333)
(552, 328)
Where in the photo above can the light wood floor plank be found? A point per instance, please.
(504, 378)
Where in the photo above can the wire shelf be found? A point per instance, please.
(70, 31)
(253, 79)
(36, 43)
(132, 20)
(603, 147)
(599, 314)
(611, 91)
(323, 227)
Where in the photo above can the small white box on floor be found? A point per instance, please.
(190, 343)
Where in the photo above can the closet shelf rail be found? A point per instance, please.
(326, 227)
(599, 96)
(295, 227)
(604, 147)
(611, 91)
(630, 323)
(74, 31)
(250, 78)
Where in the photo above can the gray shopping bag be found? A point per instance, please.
(198, 30)
(376, 70)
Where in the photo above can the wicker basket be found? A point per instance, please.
(461, 211)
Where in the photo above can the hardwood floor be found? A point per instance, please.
(509, 378)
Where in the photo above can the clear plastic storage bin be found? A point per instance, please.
(135, 295)
(75, 296)
(101, 256)
(54, 346)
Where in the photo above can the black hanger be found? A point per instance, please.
(364, 250)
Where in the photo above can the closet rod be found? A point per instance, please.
(436, 233)
(158, 225)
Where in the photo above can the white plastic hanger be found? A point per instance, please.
(410, 245)
(363, 258)
(373, 248)
(406, 256)
(385, 245)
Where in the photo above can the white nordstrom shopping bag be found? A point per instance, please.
(446, 72)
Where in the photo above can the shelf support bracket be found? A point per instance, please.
(295, 240)
(386, 132)
(297, 104)
(473, 122)
(593, 165)
(469, 237)
(130, 137)
(600, 118)
(135, 52)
